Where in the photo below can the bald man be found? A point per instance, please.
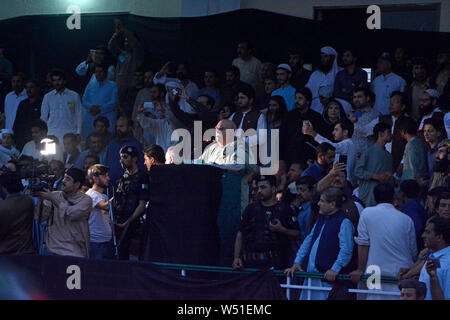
(171, 157)
(231, 154)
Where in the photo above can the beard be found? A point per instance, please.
(441, 165)
(420, 78)
(122, 134)
(327, 67)
(102, 185)
(426, 110)
(124, 166)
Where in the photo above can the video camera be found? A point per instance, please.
(38, 175)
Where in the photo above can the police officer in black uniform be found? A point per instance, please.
(130, 199)
(267, 232)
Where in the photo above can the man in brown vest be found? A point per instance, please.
(249, 118)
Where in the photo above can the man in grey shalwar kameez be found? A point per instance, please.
(375, 165)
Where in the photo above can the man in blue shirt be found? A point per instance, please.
(305, 187)
(329, 246)
(99, 100)
(437, 277)
(325, 158)
(409, 190)
(124, 138)
(386, 83)
(96, 146)
(285, 90)
(350, 78)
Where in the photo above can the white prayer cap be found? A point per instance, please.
(328, 51)
(433, 93)
(326, 92)
(285, 66)
(6, 131)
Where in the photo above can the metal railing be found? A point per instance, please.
(308, 276)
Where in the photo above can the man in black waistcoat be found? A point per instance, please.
(249, 118)
(294, 145)
(329, 246)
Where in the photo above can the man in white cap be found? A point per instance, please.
(386, 83)
(325, 95)
(7, 151)
(325, 74)
(285, 90)
(428, 105)
(183, 77)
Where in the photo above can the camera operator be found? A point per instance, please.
(66, 213)
(16, 217)
(130, 199)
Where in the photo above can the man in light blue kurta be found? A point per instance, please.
(331, 221)
(285, 90)
(386, 83)
(99, 100)
(375, 165)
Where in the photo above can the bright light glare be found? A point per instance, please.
(50, 147)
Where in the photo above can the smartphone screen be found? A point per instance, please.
(343, 159)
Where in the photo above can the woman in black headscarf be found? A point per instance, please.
(332, 113)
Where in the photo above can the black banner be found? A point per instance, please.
(55, 277)
(182, 216)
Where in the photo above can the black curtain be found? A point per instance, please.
(37, 43)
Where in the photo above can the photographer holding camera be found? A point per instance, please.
(67, 214)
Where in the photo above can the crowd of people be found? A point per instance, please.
(362, 168)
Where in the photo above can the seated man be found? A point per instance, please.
(266, 229)
(7, 151)
(33, 148)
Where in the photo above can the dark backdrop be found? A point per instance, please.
(37, 43)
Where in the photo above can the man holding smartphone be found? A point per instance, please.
(436, 271)
(345, 149)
